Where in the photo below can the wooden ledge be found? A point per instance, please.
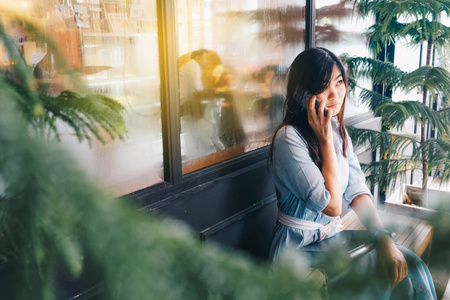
(412, 233)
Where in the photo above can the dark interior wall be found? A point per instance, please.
(236, 210)
(222, 198)
(249, 231)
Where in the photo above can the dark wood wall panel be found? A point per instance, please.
(215, 201)
(249, 231)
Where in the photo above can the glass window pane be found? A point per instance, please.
(232, 94)
(341, 30)
(113, 45)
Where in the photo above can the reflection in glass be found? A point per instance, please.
(113, 46)
(341, 30)
(232, 95)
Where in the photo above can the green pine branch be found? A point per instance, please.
(393, 163)
(435, 151)
(87, 114)
(20, 70)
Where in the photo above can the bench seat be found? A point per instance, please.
(412, 233)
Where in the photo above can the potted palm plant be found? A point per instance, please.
(413, 23)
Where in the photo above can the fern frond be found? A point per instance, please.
(378, 35)
(434, 151)
(391, 9)
(385, 171)
(380, 72)
(416, 32)
(395, 114)
(442, 168)
(424, 30)
(435, 79)
(420, 29)
(393, 143)
(373, 99)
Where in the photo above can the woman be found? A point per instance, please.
(315, 172)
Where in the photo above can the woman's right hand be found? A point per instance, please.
(321, 126)
(392, 261)
(320, 123)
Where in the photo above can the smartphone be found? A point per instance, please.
(316, 104)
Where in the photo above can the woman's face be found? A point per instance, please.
(335, 92)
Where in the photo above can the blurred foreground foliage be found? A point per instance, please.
(52, 217)
(38, 98)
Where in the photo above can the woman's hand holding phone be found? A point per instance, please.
(319, 119)
(321, 125)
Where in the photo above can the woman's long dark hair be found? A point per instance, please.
(310, 72)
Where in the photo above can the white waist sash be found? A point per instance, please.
(325, 230)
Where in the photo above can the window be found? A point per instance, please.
(114, 46)
(340, 30)
(231, 92)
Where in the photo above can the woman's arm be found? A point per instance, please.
(321, 126)
(392, 261)
(331, 174)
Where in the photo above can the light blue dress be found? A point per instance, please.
(300, 185)
(301, 193)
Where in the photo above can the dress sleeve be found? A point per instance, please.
(356, 178)
(297, 171)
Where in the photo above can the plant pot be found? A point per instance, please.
(436, 200)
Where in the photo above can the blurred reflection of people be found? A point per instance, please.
(190, 75)
(231, 129)
(200, 111)
(208, 79)
(272, 83)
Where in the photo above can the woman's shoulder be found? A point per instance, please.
(289, 135)
(287, 132)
